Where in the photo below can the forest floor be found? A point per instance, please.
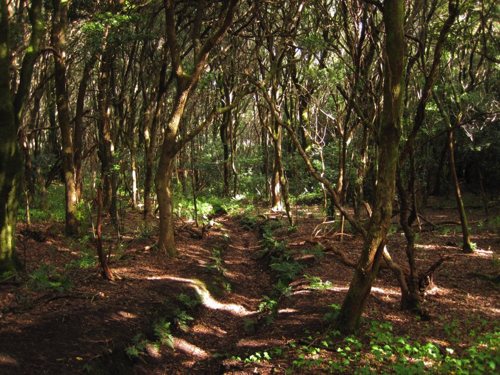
(220, 307)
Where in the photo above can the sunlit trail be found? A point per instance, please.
(207, 299)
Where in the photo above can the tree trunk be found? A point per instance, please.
(467, 246)
(59, 23)
(170, 148)
(78, 135)
(224, 136)
(275, 177)
(10, 156)
(373, 248)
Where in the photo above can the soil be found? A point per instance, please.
(63, 317)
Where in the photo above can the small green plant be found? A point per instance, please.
(86, 259)
(216, 265)
(316, 251)
(494, 223)
(146, 231)
(139, 344)
(249, 221)
(330, 316)
(138, 347)
(182, 318)
(445, 231)
(316, 283)
(284, 288)
(187, 301)
(270, 308)
(47, 278)
(288, 270)
(8, 275)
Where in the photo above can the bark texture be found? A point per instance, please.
(390, 131)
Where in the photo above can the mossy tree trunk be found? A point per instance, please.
(185, 85)
(10, 155)
(11, 110)
(390, 131)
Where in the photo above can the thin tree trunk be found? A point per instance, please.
(78, 134)
(467, 245)
(59, 23)
(100, 251)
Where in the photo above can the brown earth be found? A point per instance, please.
(211, 294)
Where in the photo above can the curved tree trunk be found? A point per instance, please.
(373, 248)
(467, 245)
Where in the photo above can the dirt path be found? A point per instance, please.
(220, 319)
(206, 301)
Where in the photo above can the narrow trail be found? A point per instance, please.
(221, 328)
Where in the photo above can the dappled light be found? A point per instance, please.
(238, 187)
(190, 349)
(207, 299)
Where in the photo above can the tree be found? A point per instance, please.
(389, 136)
(58, 39)
(185, 84)
(11, 109)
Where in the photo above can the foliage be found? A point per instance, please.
(385, 353)
(249, 222)
(47, 278)
(316, 283)
(49, 207)
(139, 346)
(270, 309)
(86, 259)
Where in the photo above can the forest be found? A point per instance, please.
(238, 186)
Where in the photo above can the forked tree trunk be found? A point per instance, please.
(352, 308)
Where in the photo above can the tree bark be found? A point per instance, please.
(467, 245)
(185, 83)
(10, 155)
(59, 23)
(78, 134)
(352, 308)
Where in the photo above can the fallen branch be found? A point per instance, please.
(345, 259)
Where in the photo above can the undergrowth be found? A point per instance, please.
(379, 351)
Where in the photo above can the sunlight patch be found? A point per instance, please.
(385, 291)
(427, 247)
(287, 311)
(209, 302)
(437, 291)
(190, 349)
(483, 253)
(7, 360)
(203, 329)
(259, 343)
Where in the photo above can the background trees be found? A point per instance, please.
(167, 101)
